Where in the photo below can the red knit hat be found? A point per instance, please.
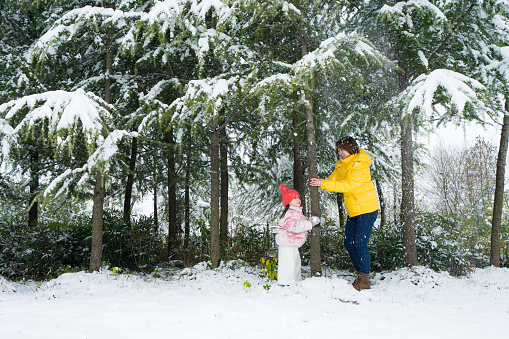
(288, 194)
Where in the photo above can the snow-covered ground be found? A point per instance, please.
(204, 303)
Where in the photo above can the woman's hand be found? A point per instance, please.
(315, 182)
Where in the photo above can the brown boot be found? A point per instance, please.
(363, 283)
(357, 279)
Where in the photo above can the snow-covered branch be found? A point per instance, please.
(61, 112)
(71, 25)
(458, 89)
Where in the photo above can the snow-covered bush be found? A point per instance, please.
(442, 244)
(439, 244)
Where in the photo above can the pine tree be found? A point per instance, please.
(482, 46)
(415, 35)
(97, 123)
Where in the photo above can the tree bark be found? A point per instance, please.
(341, 209)
(154, 181)
(498, 202)
(315, 252)
(383, 216)
(109, 67)
(407, 199)
(99, 189)
(223, 221)
(130, 180)
(395, 206)
(172, 196)
(33, 212)
(298, 173)
(187, 187)
(97, 223)
(215, 248)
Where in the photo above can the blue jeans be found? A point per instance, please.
(357, 233)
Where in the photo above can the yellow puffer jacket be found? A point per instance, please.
(353, 178)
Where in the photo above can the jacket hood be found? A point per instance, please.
(362, 156)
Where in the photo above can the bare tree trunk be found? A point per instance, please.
(109, 67)
(407, 199)
(130, 180)
(383, 216)
(215, 248)
(298, 173)
(99, 189)
(172, 196)
(154, 181)
(97, 223)
(34, 186)
(395, 205)
(187, 186)
(315, 252)
(223, 221)
(341, 209)
(496, 224)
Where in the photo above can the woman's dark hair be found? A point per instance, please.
(284, 212)
(348, 144)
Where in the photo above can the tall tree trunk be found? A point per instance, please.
(154, 181)
(407, 175)
(223, 221)
(172, 195)
(187, 186)
(407, 199)
(215, 248)
(97, 223)
(383, 216)
(395, 205)
(109, 67)
(498, 202)
(99, 189)
(130, 180)
(34, 186)
(315, 253)
(298, 172)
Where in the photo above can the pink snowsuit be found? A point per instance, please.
(293, 228)
(291, 234)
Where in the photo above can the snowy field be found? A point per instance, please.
(205, 303)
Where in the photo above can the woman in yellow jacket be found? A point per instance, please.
(352, 177)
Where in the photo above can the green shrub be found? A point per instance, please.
(42, 251)
(334, 253)
(386, 247)
(251, 243)
(136, 245)
(441, 244)
(51, 248)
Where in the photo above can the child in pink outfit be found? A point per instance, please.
(291, 234)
